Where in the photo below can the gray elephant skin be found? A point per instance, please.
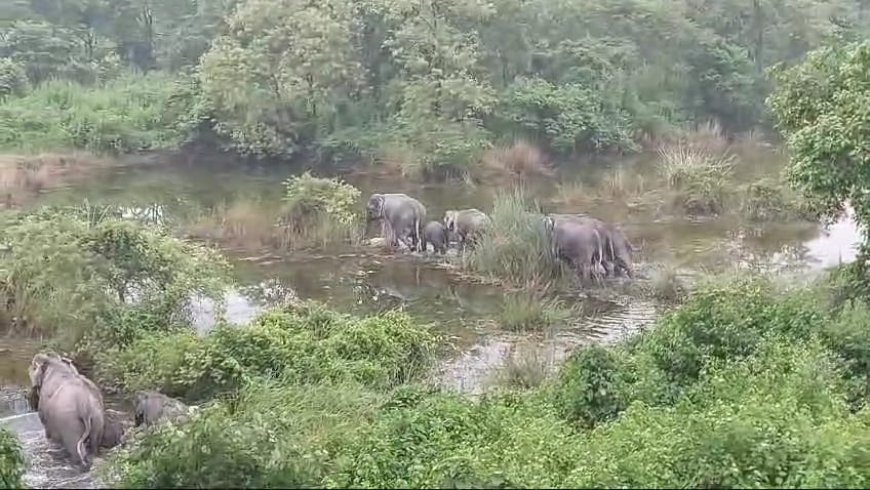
(466, 224)
(436, 234)
(70, 406)
(578, 243)
(401, 217)
(617, 249)
(153, 406)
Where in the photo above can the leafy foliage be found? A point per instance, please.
(11, 460)
(317, 209)
(66, 275)
(127, 115)
(301, 344)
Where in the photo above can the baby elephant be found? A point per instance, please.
(151, 406)
(436, 234)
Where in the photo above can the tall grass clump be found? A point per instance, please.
(130, 114)
(11, 460)
(697, 178)
(243, 222)
(319, 211)
(515, 249)
(525, 368)
(518, 162)
(531, 311)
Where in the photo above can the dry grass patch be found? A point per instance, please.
(23, 176)
(518, 162)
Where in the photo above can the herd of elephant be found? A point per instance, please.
(587, 244)
(71, 409)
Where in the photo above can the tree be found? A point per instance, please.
(822, 107)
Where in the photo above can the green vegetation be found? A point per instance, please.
(438, 83)
(530, 311)
(11, 460)
(305, 343)
(83, 274)
(126, 115)
(743, 386)
(320, 211)
(515, 249)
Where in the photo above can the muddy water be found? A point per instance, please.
(364, 280)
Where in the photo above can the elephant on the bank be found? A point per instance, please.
(578, 243)
(70, 406)
(152, 406)
(401, 217)
(435, 233)
(466, 224)
(617, 249)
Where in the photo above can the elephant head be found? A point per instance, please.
(39, 366)
(375, 207)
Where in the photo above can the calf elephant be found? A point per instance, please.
(578, 243)
(70, 406)
(152, 406)
(401, 217)
(436, 234)
(467, 224)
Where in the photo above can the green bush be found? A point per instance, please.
(11, 460)
(319, 210)
(126, 115)
(768, 200)
(80, 279)
(306, 343)
(449, 441)
(763, 421)
(271, 436)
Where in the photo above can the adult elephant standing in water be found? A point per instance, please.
(401, 216)
(616, 248)
(467, 224)
(578, 243)
(70, 406)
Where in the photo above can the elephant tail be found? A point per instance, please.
(80, 445)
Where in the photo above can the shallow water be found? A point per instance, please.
(366, 280)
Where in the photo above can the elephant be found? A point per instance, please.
(401, 216)
(466, 224)
(578, 243)
(114, 429)
(617, 248)
(436, 233)
(70, 406)
(152, 406)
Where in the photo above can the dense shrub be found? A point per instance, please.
(76, 277)
(271, 436)
(448, 441)
(11, 460)
(318, 210)
(123, 116)
(13, 80)
(305, 343)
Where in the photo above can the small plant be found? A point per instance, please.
(524, 368)
(530, 311)
(666, 286)
(317, 211)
